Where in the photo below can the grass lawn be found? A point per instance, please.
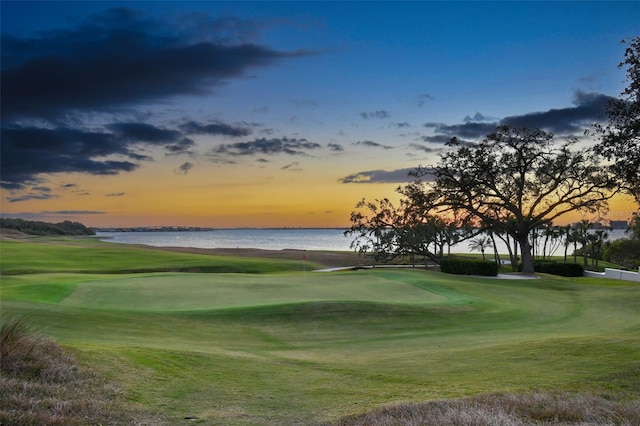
(262, 342)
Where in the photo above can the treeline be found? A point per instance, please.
(44, 228)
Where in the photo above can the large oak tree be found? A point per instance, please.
(620, 143)
(518, 175)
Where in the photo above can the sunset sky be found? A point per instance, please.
(273, 114)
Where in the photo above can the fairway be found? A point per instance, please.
(294, 347)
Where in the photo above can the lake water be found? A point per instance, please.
(266, 239)
(269, 239)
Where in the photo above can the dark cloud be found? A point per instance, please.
(479, 117)
(468, 130)
(292, 167)
(375, 114)
(143, 132)
(372, 144)
(424, 148)
(401, 125)
(184, 168)
(75, 189)
(115, 59)
(27, 152)
(268, 147)
(115, 194)
(335, 147)
(588, 108)
(379, 176)
(112, 62)
(30, 151)
(215, 129)
(34, 193)
(439, 139)
(181, 147)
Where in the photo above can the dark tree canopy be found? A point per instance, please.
(44, 228)
(384, 231)
(620, 143)
(518, 175)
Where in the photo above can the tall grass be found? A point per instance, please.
(40, 384)
(534, 408)
(17, 341)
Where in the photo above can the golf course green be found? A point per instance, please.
(239, 340)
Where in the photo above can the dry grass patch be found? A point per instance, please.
(536, 408)
(43, 385)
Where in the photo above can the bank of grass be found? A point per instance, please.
(306, 348)
(86, 255)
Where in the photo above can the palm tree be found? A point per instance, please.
(582, 237)
(596, 240)
(568, 239)
(480, 244)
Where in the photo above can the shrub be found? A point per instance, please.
(469, 267)
(557, 268)
(624, 252)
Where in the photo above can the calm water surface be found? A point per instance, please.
(269, 239)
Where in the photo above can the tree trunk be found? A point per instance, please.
(527, 258)
(496, 255)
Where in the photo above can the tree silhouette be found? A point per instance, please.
(620, 138)
(518, 174)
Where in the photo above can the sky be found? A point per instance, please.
(279, 114)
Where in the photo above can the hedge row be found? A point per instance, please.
(557, 268)
(469, 267)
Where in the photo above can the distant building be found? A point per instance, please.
(619, 224)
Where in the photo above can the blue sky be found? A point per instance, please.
(278, 113)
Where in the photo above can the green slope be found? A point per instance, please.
(294, 347)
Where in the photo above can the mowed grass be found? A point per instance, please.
(91, 255)
(295, 347)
